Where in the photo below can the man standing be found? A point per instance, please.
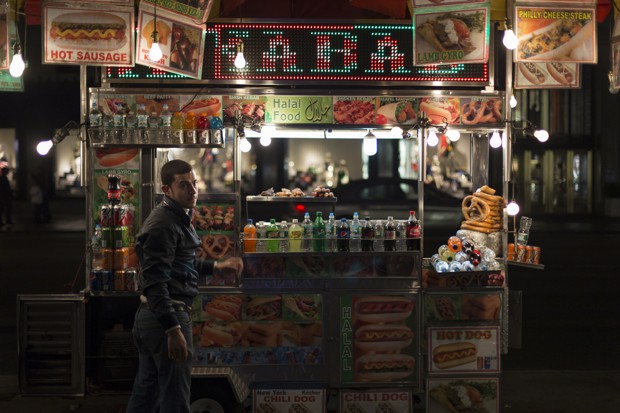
(169, 277)
(6, 196)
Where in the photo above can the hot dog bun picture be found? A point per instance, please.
(263, 308)
(88, 31)
(380, 338)
(532, 72)
(551, 39)
(113, 157)
(384, 367)
(217, 335)
(222, 309)
(561, 72)
(383, 309)
(446, 356)
(209, 106)
(441, 111)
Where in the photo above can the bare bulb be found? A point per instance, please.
(433, 140)
(155, 54)
(510, 39)
(240, 61)
(265, 140)
(370, 146)
(496, 140)
(16, 69)
(245, 145)
(453, 134)
(542, 135)
(512, 208)
(513, 101)
(44, 147)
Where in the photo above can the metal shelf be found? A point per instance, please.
(526, 265)
(305, 199)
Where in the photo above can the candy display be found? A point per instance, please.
(462, 254)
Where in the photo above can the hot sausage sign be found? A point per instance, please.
(88, 36)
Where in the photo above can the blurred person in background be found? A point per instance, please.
(6, 196)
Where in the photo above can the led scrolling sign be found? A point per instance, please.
(319, 52)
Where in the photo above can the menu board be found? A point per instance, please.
(377, 400)
(451, 395)
(289, 400)
(556, 75)
(463, 350)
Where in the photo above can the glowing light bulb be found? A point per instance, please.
(44, 147)
(265, 140)
(16, 69)
(155, 54)
(432, 139)
(542, 135)
(240, 58)
(245, 145)
(510, 39)
(496, 140)
(513, 101)
(396, 131)
(512, 208)
(369, 144)
(453, 134)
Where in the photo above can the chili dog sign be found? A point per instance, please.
(464, 350)
(92, 36)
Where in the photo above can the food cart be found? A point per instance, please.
(298, 331)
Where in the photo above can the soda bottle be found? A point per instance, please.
(177, 128)
(344, 235)
(283, 227)
(202, 128)
(318, 233)
(142, 123)
(153, 123)
(215, 133)
(273, 233)
(249, 236)
(379, 233)
(356, 233)
(295, 233)
(118, 120)
(389, 235)
(413, 232)
(95, 120)
(330, 233)
(524, 230)
(306, 245)
(368, 234)
(114, 189)
(189, 126)
(165, 124)
(97, 258)
(261, 235)
(130, 127)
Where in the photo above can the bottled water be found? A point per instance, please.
(95, 120)
(283, 227)
(165, 119)
(524, 230)
(306, 245)
(153, 122)
(96, 246)
(401, 236)
(261, 235)
(108, 128)
(330, 233)
(118, 121)
(378, 243)
(130, 127)
(356, 233)
(142, 124)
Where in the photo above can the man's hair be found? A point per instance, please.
(172, 168)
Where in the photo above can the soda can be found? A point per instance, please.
(121, 258)
(528, 254)
(121, 237)
(511, 252)
(126, 215)
(107, 259)
(119, 280)
(520, 253)
(480, 363)
(535, 257)
(131, 280)
(106, 280)
(95, 281)
(107, 216)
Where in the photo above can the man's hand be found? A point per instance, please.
(228, 267)
(177, 346)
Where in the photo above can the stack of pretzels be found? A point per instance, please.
(483, 211)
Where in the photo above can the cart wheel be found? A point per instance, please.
(206, 406)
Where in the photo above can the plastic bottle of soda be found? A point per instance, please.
(295, 233)
(177, 128)
(95, 120)
(379, 235)
(318, 233)
(202, 129)
(368, 235)
(273, 233)
(189, 126)
(330, 233)
(413, 232)
(344, 235)
(306, 245)
(249, 236)
(165, 124)
(389, 235)
(356, 233)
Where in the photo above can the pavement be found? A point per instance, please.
(583, 378)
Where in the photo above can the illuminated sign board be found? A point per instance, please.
(319, 52)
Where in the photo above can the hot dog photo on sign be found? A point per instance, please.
(556, 34)
(538, 75)
(383, 338)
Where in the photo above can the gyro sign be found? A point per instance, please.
(92, 36)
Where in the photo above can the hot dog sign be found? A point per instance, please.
(94, 36)
(463, 349)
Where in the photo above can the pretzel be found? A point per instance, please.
(483, 224)
(479, 229)
(473, 112)
(216, 246)
(487, 197)
(474, 209)
(486, 190)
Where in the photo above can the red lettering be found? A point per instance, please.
(387, 51)
(279, 51)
